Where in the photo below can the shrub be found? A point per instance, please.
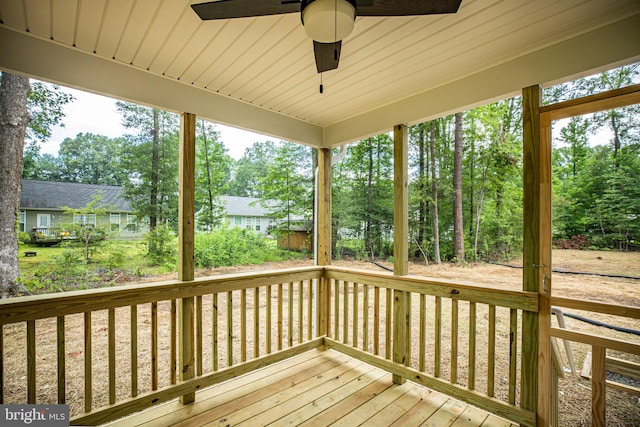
(233, 246)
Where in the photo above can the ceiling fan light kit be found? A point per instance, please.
(328, 21)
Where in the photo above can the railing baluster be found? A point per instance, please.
(437, 338)
(31, 361)
(513, 354)
(336, 309)
(300, 311)
(133, 325)
(387, 323)
(88, 395)
(345, 312)
(61, 360)
(471, 383)
(423, 332)
(454, 341)
(376, 320)
(256, 322)
(243, 325)
(279, 316)
(268, 320)
(290, 316)
(355, 314)
(215, 353)
(365, 318)
(229, 329)
(199, 338)
(111, 346)
(598, 385)
(154, 346)
(491, 363)
(173, 351)
(310, 312)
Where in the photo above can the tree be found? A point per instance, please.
(458, 229)
(434, 192)
(45, 104)
(150, 159)
(212, 177)
(285, 187)
(27, 115)
(246, 173)
(91, 159)
(86, 231)
(14, 119)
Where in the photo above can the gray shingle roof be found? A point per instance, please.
(54, 195)
(244, 206)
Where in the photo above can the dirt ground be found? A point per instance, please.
(575, 395)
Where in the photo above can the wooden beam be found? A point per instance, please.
(401, 299)
(323, 213)
(536, 347)
(186, 231)
(595, 103)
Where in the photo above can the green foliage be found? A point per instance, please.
(88, 234)
(162, 246)
(286, 186)
(234, 246)
(150, 160)
(213, 171)
(247, 171)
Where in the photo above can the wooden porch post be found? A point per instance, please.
(186, 266)
(323, 235)
(401, 300)
(536, 381)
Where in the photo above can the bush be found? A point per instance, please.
(233, 246)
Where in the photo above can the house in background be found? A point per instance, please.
(247, 212)
(42, 214)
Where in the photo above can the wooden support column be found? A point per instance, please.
(186, 265)
(401, 300)
(323, 236)
(536, 381)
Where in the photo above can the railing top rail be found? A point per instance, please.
(597, 307)
(466, 291)
(51, 305)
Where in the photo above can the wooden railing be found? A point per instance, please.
(445, 354)
(111, 352)
(600, 363)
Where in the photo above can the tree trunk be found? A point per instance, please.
(422, 177)
(208, 170)
(458, 230)
(434, 193)
(155, 160)
(368, 245)
(14, 119)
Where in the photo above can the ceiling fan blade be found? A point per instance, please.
(327, 55)
(226, 9)
(406, 8)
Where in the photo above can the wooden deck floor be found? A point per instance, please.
(318, 388)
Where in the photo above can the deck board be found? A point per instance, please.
(317, 388)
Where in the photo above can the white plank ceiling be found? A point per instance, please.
(259, 73)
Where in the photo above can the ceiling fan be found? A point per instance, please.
(326, 22)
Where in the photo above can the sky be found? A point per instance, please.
(90, 113)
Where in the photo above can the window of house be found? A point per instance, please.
(238, 221)
(114, 219)
(84, 219)
(43, 221)
(22, 221)
(131, 219)
(257, 224)
(249, 223)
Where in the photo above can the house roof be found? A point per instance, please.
(244, 206)
(55, 195)
(259, 73)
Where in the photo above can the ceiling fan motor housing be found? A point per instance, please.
(328, 21)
